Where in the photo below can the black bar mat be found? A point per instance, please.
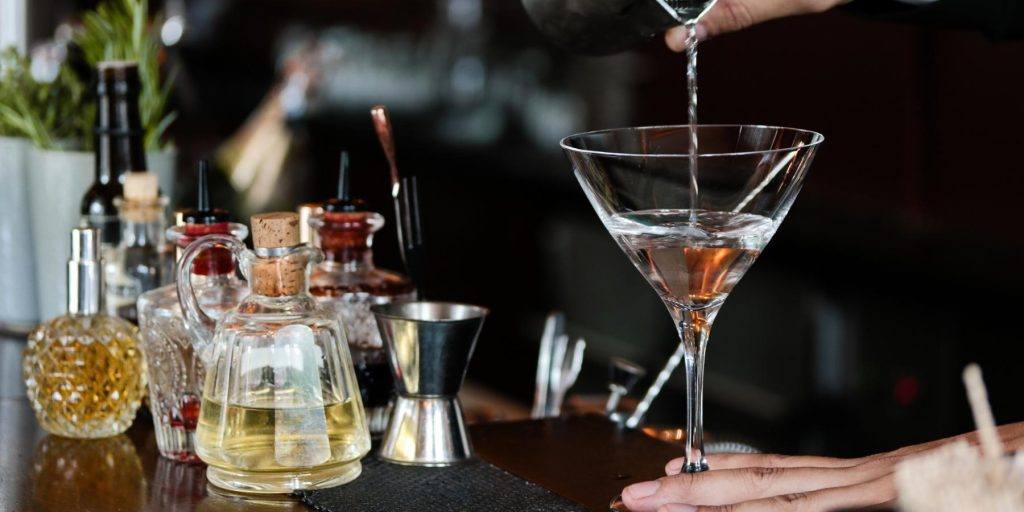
(474, 485)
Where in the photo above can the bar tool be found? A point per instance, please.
(405, 194)
(601, 27)
(429, 347)
(564, 371)
(554, 326)
(622, 377)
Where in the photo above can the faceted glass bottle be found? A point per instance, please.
(281, 409)
(84, 371)
(176, 372)
(348, 282)
(143, 260)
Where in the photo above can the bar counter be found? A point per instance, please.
(583, 458)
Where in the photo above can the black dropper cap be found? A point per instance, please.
(344, 203)
(203, 213)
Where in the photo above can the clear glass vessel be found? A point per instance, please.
(84, 371)
(176, 371)
(348, 282)
(691, 223)
(143, 260)
(281, 410)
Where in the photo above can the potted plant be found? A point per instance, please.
(37, 110)
(54, 109)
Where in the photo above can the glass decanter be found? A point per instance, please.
(348, 282)
(176, 371)
(84, 371)
(142, 260)
(281, 409)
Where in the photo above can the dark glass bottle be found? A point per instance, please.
(119, 146)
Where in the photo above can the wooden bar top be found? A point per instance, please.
(585, 459)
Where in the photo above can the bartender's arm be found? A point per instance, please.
(997, 18)
(776, 483)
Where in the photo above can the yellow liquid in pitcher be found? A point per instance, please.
(281, 439)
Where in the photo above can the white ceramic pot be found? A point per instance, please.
(164, 164)
(57, 181)
(17, 276)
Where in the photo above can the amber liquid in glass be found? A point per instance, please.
(85, 375)
(265, 437)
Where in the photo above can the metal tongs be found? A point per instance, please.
(558, 366)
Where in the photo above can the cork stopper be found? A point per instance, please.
(274, 230)
(141, 198)
(141, 187)
(277, 276)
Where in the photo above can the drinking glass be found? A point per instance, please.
(692, 226)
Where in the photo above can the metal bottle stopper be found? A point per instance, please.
(85, 272)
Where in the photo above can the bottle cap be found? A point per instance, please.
(275, 230)
(85, 276)
(85, 244)
(118, 77)
(141, 187)
(307, 211)
(277, 276)
(203, 213)
(343, 202)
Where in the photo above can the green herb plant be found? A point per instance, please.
(119, 30)
(58, 114)
(61, 114)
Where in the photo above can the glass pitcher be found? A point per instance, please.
(280, 409)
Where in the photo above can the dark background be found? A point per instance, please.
(898, 264)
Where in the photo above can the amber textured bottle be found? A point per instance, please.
(84, 371)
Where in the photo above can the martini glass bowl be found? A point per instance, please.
(691, 226)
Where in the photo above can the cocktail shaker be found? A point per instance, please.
(602, 27)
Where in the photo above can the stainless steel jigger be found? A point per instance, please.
(429, 345)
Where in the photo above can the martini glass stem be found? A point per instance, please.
(694, 330)
(694, 327)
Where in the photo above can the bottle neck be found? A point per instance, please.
(85, 287)
(349, 259)
(347, 240)
(142, 226)
(119, 133)
(215, 262)
(281, 276)
(212, 280)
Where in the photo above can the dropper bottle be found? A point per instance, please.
(349, 283)
(176, 369)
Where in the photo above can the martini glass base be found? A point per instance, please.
(617, 505)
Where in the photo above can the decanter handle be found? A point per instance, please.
(199, 323)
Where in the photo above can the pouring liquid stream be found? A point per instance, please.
(691, 112)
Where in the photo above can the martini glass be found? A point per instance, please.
(692, 226)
